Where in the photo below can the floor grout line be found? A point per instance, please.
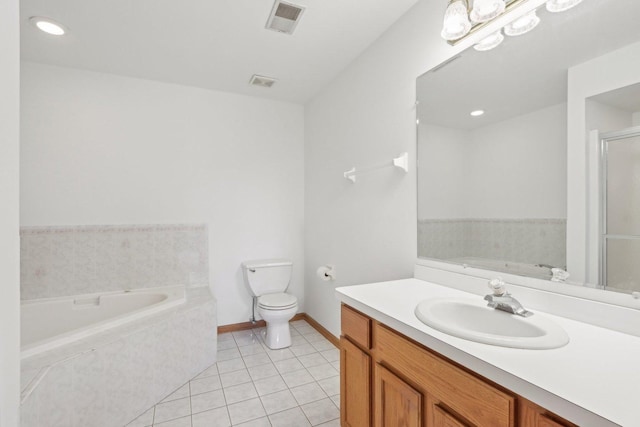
(255, 337)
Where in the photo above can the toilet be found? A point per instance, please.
(268, 280)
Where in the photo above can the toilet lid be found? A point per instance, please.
(280, 300)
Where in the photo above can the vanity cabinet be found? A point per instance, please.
(355, 369)
(389, 380)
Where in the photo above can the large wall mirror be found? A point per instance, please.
(547, 180)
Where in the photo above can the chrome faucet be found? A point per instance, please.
(500, 299)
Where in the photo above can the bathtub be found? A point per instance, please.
(52, 322)
(129, 351)
(517, 268)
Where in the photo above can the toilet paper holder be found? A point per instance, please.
(326, 272)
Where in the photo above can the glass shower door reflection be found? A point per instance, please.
(620, 243)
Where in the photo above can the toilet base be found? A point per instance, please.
(277, 336)
(277, 333)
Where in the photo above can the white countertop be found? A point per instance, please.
(592, 381)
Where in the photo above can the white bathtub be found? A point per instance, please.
(517, 268)
(51, 322)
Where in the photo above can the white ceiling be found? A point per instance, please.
(528, 72)
(213, 44)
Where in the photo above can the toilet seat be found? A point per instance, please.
(278, 301)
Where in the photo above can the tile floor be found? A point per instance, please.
(252, 385)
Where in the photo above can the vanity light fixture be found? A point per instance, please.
(523, 24)
(561, 5)
(477, 113)
(489, 42)
(465, 17)
(48, 25)
(456, 20)
(486, 10)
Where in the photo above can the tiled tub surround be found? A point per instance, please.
(108, 379)
(75, 260)
(252, 385)
(522, 240)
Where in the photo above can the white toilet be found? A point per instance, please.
(268, 279)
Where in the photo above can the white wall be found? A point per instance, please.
(9, 217)
(515, 168)
(442, 179)
(366, 116)
(104, 149)
(521, 161)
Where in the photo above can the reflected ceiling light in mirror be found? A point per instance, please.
(47, 25)
(489, 42)
(456, 20)
(523, 24)
(485, 10)
(476, 113)
(561, 5)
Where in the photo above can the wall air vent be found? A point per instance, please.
(284, 17)
(262, 81)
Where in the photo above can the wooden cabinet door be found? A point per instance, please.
(355, 385)
(397, 404)
(442, 418)
(466, 396)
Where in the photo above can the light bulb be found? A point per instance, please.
(489, 42)
(485, 10)
(47, 25)
(561, 5)
(476, 113)
(456, 21)
(522, 25)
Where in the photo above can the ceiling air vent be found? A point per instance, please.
(262, 81)
(284, 17)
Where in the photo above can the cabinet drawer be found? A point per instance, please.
(470, 397)
(356, 326)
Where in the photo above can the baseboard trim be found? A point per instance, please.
(250, 325)
(325, 332)
(299, 316)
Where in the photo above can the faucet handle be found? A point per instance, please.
(497, 286)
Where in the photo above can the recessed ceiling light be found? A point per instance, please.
(47, 25)
(477, 113)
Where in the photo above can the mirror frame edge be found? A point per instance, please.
(567, 289)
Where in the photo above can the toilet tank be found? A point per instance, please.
(267, 276)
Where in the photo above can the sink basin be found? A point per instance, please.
(471, 319)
